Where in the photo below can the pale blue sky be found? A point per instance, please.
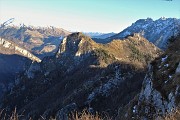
(86, 15)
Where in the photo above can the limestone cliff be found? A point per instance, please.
(6, 46)
(41, 41)
(160, 93)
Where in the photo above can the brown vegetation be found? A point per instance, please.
(84, 115)
(174, 115)
(163, 69)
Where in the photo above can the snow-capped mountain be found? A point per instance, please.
(103, 36)
(156, 31)
(91, 34)
(99, 35)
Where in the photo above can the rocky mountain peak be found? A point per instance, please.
(83, 73)
(76, 44)
(156, 31)
(136, 36)
(144, 21)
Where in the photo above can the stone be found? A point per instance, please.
(178, 69)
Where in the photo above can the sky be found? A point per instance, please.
(86, 15)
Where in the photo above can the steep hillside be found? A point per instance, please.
(10, 67)
(83, 74)
(13, 60)
(160, 93)
(157, 32)
(41, 41)
(8, 47)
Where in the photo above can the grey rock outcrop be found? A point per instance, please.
(11, 46)
(178, 69)
(153, 101)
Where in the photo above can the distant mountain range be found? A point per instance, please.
(156, 31)
(41, 41)
(50, 72)
(91, 34)
(22, 45)
(99, 35)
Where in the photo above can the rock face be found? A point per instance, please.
(160, 93)
(155, 103)
(156, 31)
(178, 69)
(13, 60)
(32, 69)
(41, 41)
(5, 44)
(10, 67)
(83, 74)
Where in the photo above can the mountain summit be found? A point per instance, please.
(157, 32)
(83, 74)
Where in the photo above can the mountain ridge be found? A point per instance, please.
(95, 74)
(41, 41)
(159, 95)
(8, 45)
(156, 31)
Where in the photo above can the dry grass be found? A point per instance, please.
(85, 115)
(174, 115)
(13, 116)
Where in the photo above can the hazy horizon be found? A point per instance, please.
(84, 15)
